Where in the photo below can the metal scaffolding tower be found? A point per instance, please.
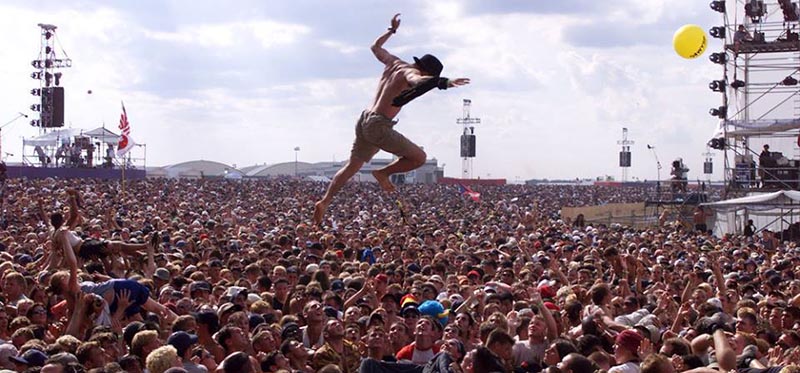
(625, 154)
(47, 65)
(468, 140)
(759, 91)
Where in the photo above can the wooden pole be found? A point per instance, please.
(124, 166)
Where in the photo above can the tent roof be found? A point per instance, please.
(104, 135)
(100, 132)
(52, 138)
(784, 199)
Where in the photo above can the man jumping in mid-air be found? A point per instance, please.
(400, 83)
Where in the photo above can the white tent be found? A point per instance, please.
(52, 138)
(774, 211)
(103, 135)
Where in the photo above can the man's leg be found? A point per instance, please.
(409, 158)
(339, 180)
(133, 249)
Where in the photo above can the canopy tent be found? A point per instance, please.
(774, 211)
(52, 138)
(737, 128)
(104, 135)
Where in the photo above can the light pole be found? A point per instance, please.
(658, 171)
(19, 115)
(296, 150)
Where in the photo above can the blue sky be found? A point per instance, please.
(245, 82)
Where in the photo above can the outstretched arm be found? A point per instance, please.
(74, 217)
(377, 47)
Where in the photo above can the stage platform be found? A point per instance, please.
(19, 171)
(771, 47)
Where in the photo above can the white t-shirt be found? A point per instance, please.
(421, 357)
(307, 340)
(629, 367)
(524, 351)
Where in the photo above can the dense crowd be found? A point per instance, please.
(230, 276)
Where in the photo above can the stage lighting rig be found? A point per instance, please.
(717, 32)
(720, 112)
(718, 6)
(718, 143)
(717, 85)
(718, 58)
(755, 9)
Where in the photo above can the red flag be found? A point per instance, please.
(125, 141)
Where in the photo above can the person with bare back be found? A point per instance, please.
(400, 83)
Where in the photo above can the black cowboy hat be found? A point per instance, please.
(429, 64)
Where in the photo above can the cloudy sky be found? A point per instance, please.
(246, 81)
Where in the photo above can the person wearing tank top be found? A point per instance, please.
(88, 248)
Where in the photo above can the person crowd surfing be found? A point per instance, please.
(400, 83)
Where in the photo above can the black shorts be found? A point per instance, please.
(93, 249)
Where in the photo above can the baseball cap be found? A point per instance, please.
(182, 341)
(162, 273)
(228, 308)
(32, 357)
(199, 285)
(337, 285)
(407, 310)
(629, 339)
(23, 259)
(289, 329)
(7, 350)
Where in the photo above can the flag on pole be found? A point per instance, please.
(467, 192)
(125, 140)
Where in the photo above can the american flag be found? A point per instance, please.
(468, 192)
(125, 140)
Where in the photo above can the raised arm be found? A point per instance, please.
(377, 47)
(74, 217)
(549, 320)
(72, 262)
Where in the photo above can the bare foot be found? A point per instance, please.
(319, 212)
(383, 181)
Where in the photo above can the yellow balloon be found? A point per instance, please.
(690, 41)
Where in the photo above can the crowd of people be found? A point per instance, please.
(231, 276)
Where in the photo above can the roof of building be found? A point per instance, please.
(195, 169)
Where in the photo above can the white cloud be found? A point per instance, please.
(343, 48)
(226, 35)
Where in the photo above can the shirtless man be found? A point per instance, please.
(400, 83)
